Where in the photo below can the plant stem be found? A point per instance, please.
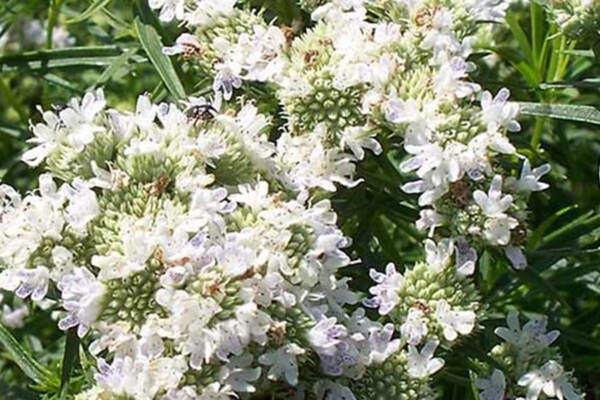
(53, 12)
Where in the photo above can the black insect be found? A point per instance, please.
(200, 112)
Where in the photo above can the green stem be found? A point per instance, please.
(536, 34)
(537, 134)
(53, 12)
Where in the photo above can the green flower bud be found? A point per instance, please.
(390, 380)
(66, 163)
(422, 288)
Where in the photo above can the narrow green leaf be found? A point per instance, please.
(119, 63)
(63, 83)
(580, 53)
(146, 15)
(82, 62)
(13, 132)
(534, 279)
(536, 237)
(153, 46)
(517, 31)
(68, 362)
(569, 112)
(591, 83)
(70, 52)
(91, 10)
(30, 367)
(537, 34)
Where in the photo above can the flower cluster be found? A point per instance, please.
(531, 368)
(578, 19)
(405, 74)
(196, 249)
(189, 247)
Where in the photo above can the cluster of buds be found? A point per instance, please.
(530, 368)
(578, 20)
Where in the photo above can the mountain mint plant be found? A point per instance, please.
(195, 248)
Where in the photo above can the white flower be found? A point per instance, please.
(216, 391)
(185, 44)
(423, 364)
(466, 257)
(516, 256)
(381, 344)
(497, 230)
(238, 374)
(252, 323)
(529, 181)
(226, 79)
(283, 363)
(488, 10)
(83, 205)
(437, 256)
(386, 290)
(140, 378)
(79, 119)
(551, 380)
(429, 220)
(399, 111)
(325, 335)
(454, 322)
(47, 136)
(492, 388)
(357, 139)
(26, 282)
(329, 390)
(497, 112)
(256, 197)
(185, 393)
(493, 204)
(169, 9)
(13, 318)
(82, 295)
(206, 11)
(440, 37)
(449, 80)
(532, 338)
(414, 328)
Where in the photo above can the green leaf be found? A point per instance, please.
(87, 62)
(120, 62)
(30, 367)
(580, 53)
(534, 279)
(537, 33)
(153, 46)
(68, 362)
(517, 31)
(569, 112)
(60, 82)
(55, 54)
(91, 10)
(13, 132)
(591, 83)
(537, 235)
(88, 56)
(573, 230)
